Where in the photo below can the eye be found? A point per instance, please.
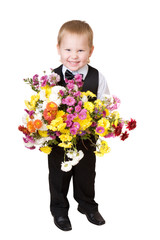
(68, 50)
(80, 50)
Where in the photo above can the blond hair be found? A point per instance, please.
(76, 27)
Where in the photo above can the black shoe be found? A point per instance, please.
(63, 223)
(94, 217)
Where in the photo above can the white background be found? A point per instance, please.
(127, 52)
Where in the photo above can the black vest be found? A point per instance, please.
(90, 83)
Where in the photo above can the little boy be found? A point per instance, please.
(75, 47)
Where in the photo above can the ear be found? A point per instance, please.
(91, 51)
(58, 49)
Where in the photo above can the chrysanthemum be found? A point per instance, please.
(66, 166)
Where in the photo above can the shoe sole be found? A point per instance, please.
(81, 211)
(68, 229)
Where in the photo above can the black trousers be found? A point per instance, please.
(83, 175)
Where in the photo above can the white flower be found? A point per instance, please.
(84, 99)
(43, 95)
(55, 97)
(56, 89)
(66, 166)
(25, 118)
(74, 162)
(75, 155)
(41, 141)
(70, 153)
(44, 127)
(79, 155)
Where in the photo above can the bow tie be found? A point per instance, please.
(69, 75)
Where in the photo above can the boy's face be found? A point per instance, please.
(74, 51)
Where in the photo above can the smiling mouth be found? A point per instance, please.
(74, 63)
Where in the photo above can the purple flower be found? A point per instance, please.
(83, 114)
(30, 113)
(81, 133)
(28, 139)
(94, 124)
(35, 79)
(44, 80)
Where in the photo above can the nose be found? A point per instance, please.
(74, 55)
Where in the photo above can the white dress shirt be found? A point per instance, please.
(102, 86)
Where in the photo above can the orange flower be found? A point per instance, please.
(31, 127)
(38, 123)
(51, 106)
(49, 115)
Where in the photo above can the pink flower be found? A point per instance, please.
(77, 94)
(70, 117)
(73, 131)
(70, 86)
(44, 80)
(69, 110)
(69, 123)
(63, 101)
(83, 114)
(100, 129)
(80, 103)
(77, 108)
(76, 125)
(70, 101)
(61, 93)
(78, 78)
(109, 135)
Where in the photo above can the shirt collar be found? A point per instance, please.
(83, 70)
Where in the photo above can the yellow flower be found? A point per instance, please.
(89, 106)
(46, 149)
(57, 124)
(48, 90)
(115, 114)
(107, 112)
(60, 113)
(98, 154)
(88, 94)
(61, 127)
(104, 147)
(32, 104)
(84, 124)
(65, 137)
(43, 133)
(98, 103)
(104, 123)
(65, 145)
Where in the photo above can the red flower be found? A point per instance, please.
(118, 130)
(132, 124)
(24, 130)
(124, 135)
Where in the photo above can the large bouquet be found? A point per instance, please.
(61, 115)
